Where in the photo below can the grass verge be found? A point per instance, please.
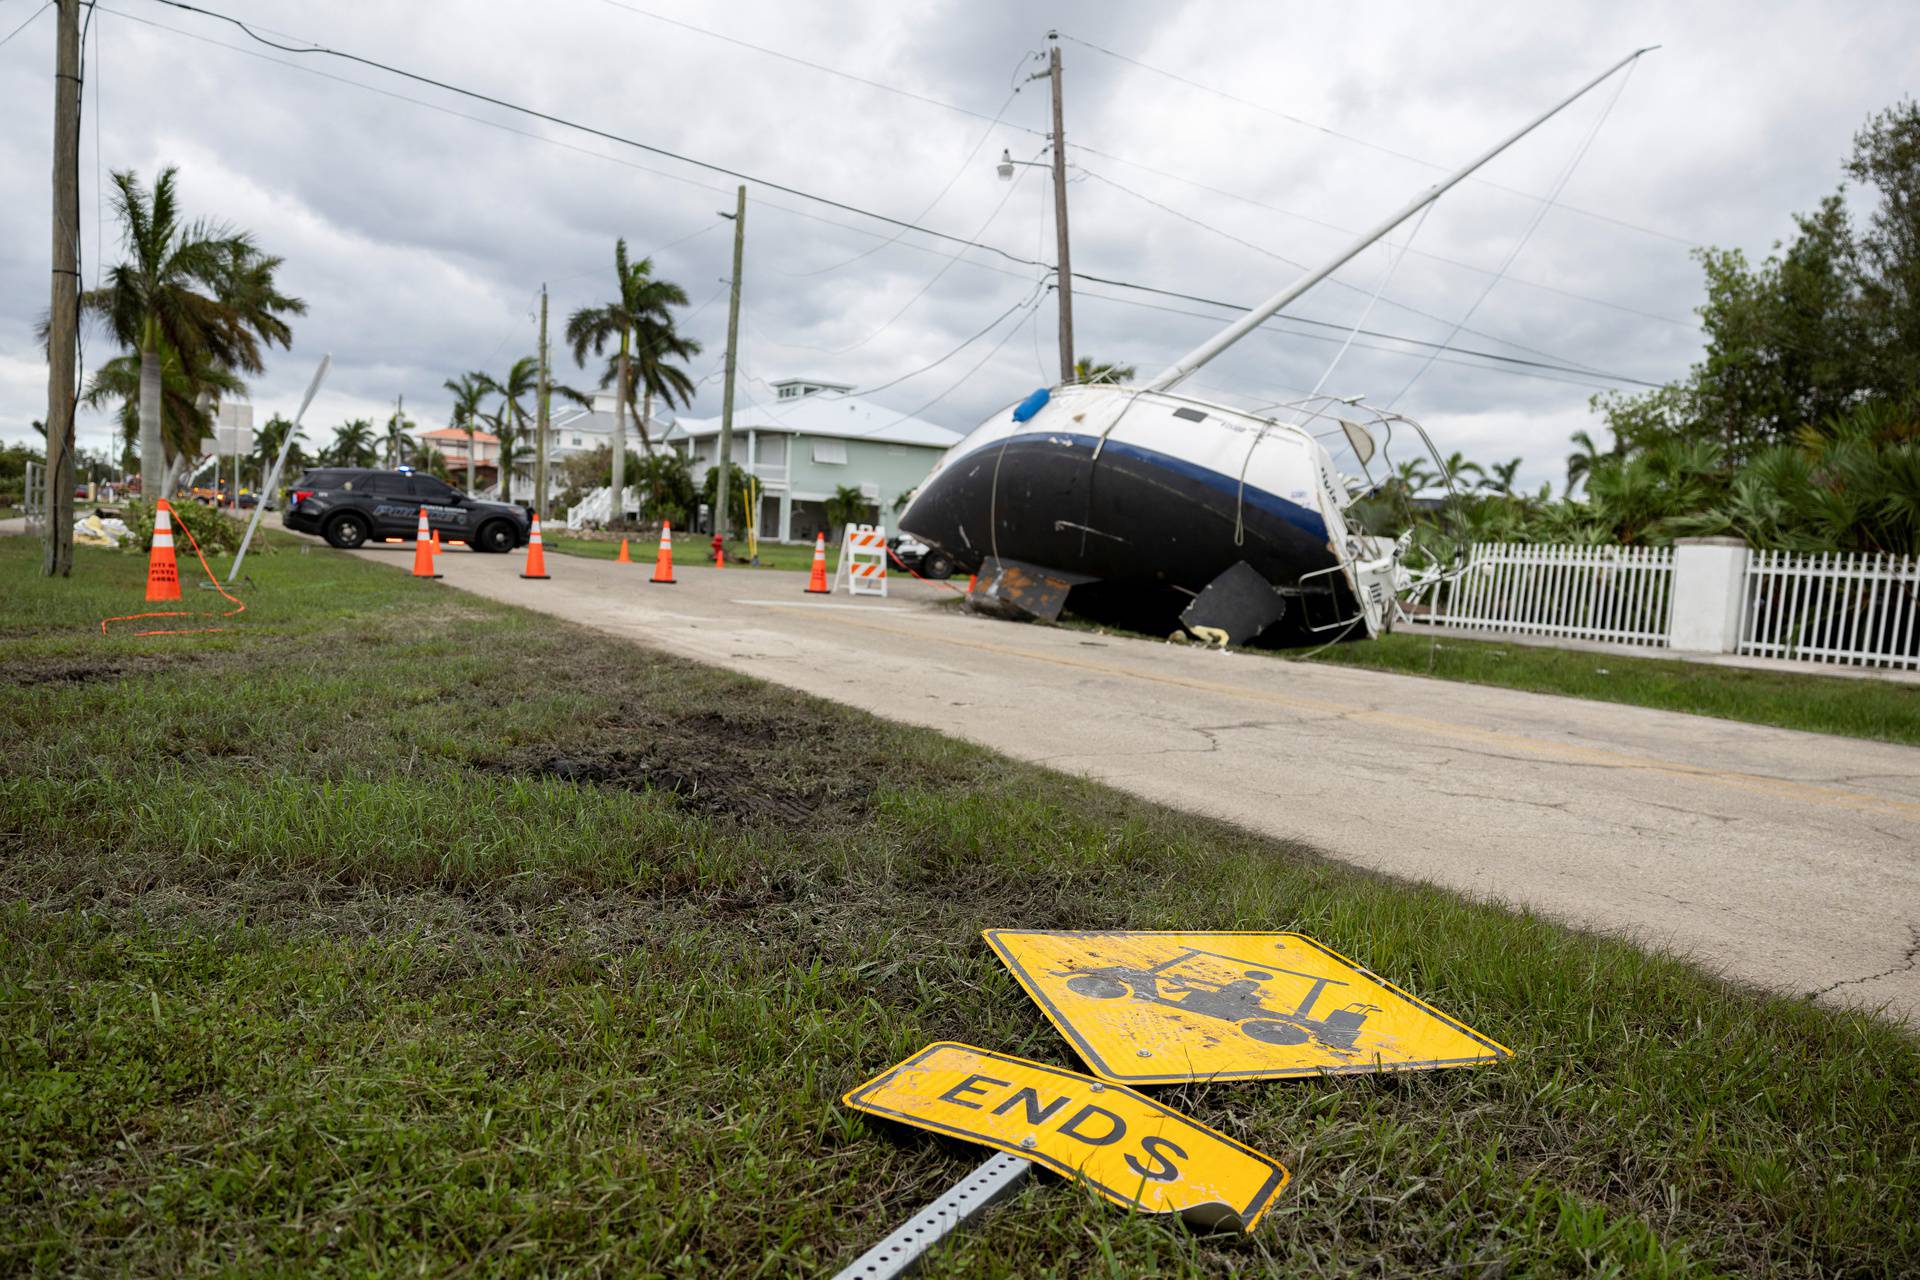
(1881, 709)
(392, 930)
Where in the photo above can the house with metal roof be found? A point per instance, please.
(813, 439)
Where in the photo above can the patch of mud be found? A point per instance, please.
(68, 671)
(753, 768)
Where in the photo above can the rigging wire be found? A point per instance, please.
(1540, 212)
(1300, 266)
(1547, 201)
(1690, 325)
(8, 39)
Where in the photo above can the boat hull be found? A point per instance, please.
(1140, 520)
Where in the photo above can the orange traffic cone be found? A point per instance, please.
(623, 557)
(436, 542)
(663, 563)
(163, 575)
(817, 584)
(423, 549)
(971, 579)
(536, 558)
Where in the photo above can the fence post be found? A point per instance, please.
(1709, 595)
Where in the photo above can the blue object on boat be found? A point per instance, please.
(1031, 405)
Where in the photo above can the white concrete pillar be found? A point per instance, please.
(1709, 592)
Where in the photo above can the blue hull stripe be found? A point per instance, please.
(1305, 519)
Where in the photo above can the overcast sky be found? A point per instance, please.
(1224, 143)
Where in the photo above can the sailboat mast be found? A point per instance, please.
(1239, 329)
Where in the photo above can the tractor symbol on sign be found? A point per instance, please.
(1237, 1000)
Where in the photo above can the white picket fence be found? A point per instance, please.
(1833, 608)
(595, 509)
(1618, 594)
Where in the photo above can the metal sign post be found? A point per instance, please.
(273, 478)
(902, 1252)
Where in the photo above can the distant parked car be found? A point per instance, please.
(350, 506)
(920, 558)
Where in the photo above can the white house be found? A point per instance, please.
(814, 439)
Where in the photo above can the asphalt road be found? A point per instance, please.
(1786, 859)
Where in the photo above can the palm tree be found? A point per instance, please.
(182, 401)
(509, 417)
(1087, 369)
(266, 446)
(1499, 478)
(1581, 463)
(353, 444)
(1455, 467)
(433, 462)
(200, 291)
(640, 312)
(469, 389)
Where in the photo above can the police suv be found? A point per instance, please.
(350, 506)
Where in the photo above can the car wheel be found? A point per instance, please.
(348, 531)
(496, 537)
(937, 565)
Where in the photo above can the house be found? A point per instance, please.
(452, 443)
(573, 430)
(814, 439)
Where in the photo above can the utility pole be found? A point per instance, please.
(725, 460)
(1065, 289)
(540, 431)
(63, 319)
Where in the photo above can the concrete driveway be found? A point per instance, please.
(1786, 859)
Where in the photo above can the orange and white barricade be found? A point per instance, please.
(863, 561)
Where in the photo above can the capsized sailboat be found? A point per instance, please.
(1145, 508)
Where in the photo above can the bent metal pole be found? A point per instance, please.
(273, 478)
(1239, 329)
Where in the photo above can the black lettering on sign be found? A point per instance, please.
(1031, 1100)
(1163, 1170)
(970, 1085)
(1117, 1127)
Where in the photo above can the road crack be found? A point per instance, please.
(1908, 962)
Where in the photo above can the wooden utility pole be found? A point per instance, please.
(725, 460)
(1065, 289)
(540, 431)
(63, 318)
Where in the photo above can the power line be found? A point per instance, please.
(827, 201)
(1375, 146)
(566, 123)
(1690, 325)
(1522, 369)
(23, 26)
(821, 66)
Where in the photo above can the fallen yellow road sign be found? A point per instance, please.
(1132, 1150)
(1161, 1008)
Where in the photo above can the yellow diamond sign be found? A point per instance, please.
(1162, 1008)
(1136, 1152)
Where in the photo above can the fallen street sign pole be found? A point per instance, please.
(273, 480)
(902, 1252)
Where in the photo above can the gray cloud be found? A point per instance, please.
(420, 239)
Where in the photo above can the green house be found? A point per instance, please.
(811, 440)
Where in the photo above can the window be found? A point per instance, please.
(576, 439)
(830, 452)
(427, 489)
(385, 484)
